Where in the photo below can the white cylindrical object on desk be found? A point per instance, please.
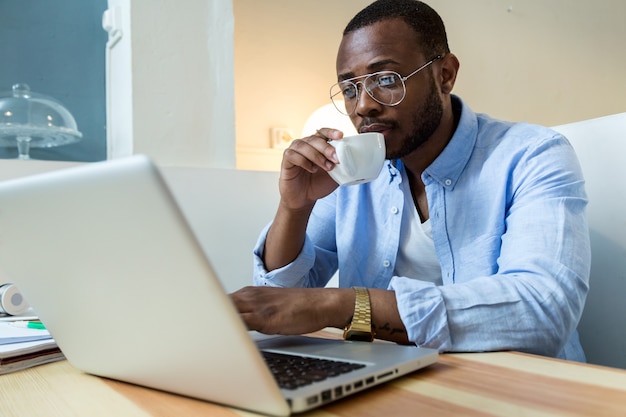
(11, 300)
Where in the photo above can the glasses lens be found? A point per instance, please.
(386, 87)
(344, 96)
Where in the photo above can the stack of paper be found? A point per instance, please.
(22, 347)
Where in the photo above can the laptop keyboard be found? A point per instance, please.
(292, 371)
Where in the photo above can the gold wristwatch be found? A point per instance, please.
(360, 327)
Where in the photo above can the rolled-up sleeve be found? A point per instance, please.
(423, 311)
(293, 274)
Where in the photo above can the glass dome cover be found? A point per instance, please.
(31, 120)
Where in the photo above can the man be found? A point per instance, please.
(473, 237)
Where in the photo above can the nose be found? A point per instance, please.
(365, 103)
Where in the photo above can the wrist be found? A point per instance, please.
(298, 209)
(339, 306)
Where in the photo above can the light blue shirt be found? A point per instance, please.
(507, 206)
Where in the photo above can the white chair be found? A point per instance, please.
(601, 148)
(227, 208)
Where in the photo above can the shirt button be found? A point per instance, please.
(394, 210)
(386, 263)
(448, 182)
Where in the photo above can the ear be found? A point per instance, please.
(447, 75)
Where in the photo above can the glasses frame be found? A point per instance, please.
(364, 79)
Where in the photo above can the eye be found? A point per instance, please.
(348, 90)
(387, 80)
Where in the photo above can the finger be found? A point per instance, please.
(323, 145)
(243, 299)
(329, 133)
(311, 153)
(293, 158)
(262, 321)
(247, 319)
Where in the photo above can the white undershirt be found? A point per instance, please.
(416, 254)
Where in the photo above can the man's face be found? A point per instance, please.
(391, 45)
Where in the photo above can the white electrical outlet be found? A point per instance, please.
(280, 137)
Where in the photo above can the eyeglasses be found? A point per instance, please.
(385, 87)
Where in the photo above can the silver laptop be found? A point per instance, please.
(105, 257)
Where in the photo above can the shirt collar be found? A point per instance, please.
(448, 166)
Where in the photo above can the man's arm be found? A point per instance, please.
(303, 180)
(273, 310)
(285, 237)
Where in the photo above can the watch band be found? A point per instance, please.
(360, 327)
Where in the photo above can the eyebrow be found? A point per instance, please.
(373, 67)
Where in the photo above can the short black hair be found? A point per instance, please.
(426, 22)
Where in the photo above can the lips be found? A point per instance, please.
(374, 127)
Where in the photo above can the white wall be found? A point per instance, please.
(171, 81)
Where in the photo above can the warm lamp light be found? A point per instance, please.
(328, 116)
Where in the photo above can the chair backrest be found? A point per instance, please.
(601, 148)
(227, 209)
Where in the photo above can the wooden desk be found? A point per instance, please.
(480, 384)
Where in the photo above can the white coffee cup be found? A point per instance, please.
(361, 157)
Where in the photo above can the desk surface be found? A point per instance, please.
(479, 384)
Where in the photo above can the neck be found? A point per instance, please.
(418, 160)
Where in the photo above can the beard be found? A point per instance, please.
(425, 122)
